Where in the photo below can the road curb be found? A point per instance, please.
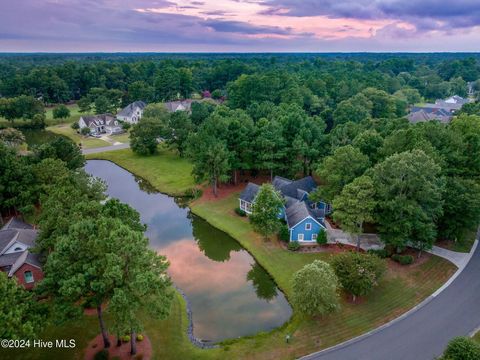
(401, 317)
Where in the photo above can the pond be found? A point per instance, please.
(230, 295)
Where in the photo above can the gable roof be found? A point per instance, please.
(15, 223)
(24, 258)
(98, 120)
(307, 184)
(130, 108)
(298, 212)
(248, 194)
(422, 116)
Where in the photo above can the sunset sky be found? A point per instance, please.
(239, 25)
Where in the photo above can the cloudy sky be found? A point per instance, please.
(239, 25)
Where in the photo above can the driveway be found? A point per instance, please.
(423, 333)
(105, 148)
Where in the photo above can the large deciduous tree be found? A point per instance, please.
(268, 204)
(409, 189)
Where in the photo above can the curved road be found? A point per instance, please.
(424, 333)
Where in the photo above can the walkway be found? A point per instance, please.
(458, 258)
(423, 332)
(105, 148)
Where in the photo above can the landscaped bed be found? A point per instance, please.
(402, 287)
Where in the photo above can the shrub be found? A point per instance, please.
(102, 355)
(61, 112)
(125, 338)
(358, 273)
(284, 233)
(126, 125)
(293, 245)
(462, 348)
(194, 193)
(240, 212)
(85, 131)
(322, 237)
(139, 337)
(403, 259)
(381, 253)
(315, 289)
(75, 126)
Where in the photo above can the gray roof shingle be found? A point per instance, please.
(248, 194)
(299, 211)
(130, 108)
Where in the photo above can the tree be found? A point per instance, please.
(102, 105)
(355, 205)
(12, 137)
(268, 204)
(21, 316)
(409, 189)
(64, 149)
(315, 289)
(84, 104)
(338, 170)
(355, 109)
(358, 273)
(144, 136)
(61, 112)
(211, 160)
(143, 284)
(462, 348)
(176, 131)
(383, 104)
(269, 145)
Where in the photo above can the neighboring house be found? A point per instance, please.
(180, 105)
(442, 110)
(101, 124)
(132, 113)
(16, 238)
(305, 219)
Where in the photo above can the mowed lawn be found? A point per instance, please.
(83, 141)
(74, 116)
(165, 171)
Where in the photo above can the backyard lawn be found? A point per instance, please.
(74, 116)
(85, 142)
(165, 171)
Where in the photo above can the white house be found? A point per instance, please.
(101, 124)
(132, 113)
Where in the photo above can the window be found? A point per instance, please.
(18, 249)
(314, 237)
(300, 237)
(308, 226)
(28, 276)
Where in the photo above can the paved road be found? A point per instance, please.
(105, 148)
(423, 334)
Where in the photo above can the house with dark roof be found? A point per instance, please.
(305, 218)
(101, 124)
(442, 110)
(132, 113)
(16, 259)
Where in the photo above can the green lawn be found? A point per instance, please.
(74, 116)
(166, 171)
(399, 291)
(85, 142)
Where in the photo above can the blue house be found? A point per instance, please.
(305, 218)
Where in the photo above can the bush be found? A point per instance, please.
(358, 273)
(75, 126)
(284, 233)
(240, 212)
(462, 348)
(126, 125)
(139, 337)
(61, 112)
(85, 131)
(381, 253)
(403, 259)
(194, 193)
(125, 338)
(315, 289)
(293, 245)
(322, 237)
(102, 355)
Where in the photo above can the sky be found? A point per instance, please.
(239, 25)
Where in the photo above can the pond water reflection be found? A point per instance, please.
(229, 293)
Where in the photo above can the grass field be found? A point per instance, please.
(84, 142)
(166, 171)
(476, 337)
(74, 116)
(399, 290)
